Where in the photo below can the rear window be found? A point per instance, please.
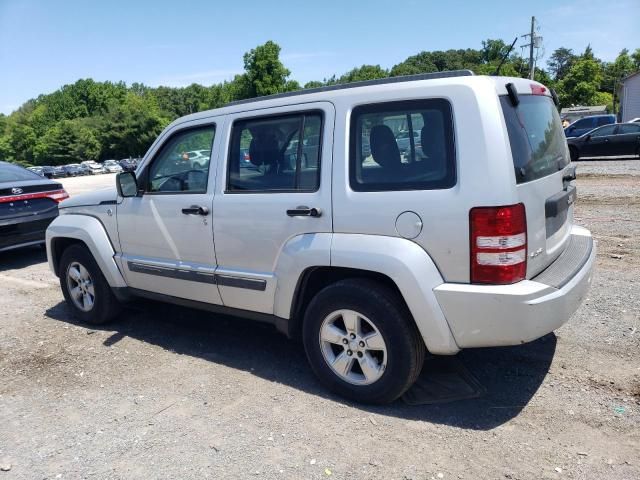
(14, 173)
(405, 145)
(538, 144)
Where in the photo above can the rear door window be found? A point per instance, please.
(604, 131)
(628, 128)
(406, 145)
(538, 144)
(276, 153)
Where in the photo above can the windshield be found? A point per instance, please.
(537, 140)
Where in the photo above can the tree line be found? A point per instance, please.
(91, 120)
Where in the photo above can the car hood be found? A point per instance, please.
(106, 195)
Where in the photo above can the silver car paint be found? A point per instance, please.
(91, 231)
(364, 223)
(154, 232)
(251, 229)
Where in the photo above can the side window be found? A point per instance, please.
(628, 128)
(176, 168)
(276, 154)
(603, 121)
(404, 145)
(604, 131)
(584, 123)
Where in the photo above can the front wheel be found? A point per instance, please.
(361, 341)
(84, 287)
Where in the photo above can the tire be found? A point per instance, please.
(101, 306)
(381, 314)
(573, 153)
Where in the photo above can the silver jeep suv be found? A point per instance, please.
(311, 217)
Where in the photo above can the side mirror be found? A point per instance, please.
(127, 184)
(588, 137)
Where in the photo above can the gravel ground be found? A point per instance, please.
(167, 392)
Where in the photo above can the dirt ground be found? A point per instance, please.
(171, 393)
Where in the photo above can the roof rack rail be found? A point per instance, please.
(364, 83)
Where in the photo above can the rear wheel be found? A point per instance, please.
(361, 341)
(573, 153)
(84, 287)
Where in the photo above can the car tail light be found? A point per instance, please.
(498, 244)
(55, 195)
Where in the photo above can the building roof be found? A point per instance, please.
(583, 109)
(629, 76)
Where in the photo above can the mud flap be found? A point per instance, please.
(443, 379)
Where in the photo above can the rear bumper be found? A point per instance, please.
(487, 315)
(25, 231)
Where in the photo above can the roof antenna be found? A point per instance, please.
(497, 72)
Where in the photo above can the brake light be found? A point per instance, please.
(55, 195)
(538, 89)
(498, 238)
(58, 195)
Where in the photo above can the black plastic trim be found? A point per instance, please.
(280, 323)
(201, 277)
(365, 83)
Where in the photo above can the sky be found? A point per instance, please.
(45, 44)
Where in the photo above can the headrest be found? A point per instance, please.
(384, 148)
(264, 150)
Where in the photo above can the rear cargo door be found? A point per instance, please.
(541, 159)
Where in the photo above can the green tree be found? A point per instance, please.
(264, 72)
(635, 56)
(365, 72)
(615, 71)
(129, 128)
(314, 84)
(560, 62)
(581, 84)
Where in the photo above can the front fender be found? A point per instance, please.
(91, 232)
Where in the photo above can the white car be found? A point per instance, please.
(634, 120)
(112, 166)
(371, 257)
(94, 167)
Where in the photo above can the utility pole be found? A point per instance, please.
(534, 43)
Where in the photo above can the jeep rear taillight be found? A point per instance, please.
(498, 244)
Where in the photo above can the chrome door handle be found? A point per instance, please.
(303, 211)
(195, 210)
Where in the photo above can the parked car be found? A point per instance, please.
(199, 158)
(73, 170)
(609, 141)
(94, 166)
(28, 204)
(59, 171)
(128, 164)
(85, 169)
(36, 170)
(586, 124)
(371, 260)
(404, 142)
(634, 120)
(47, 171)
(112, 166)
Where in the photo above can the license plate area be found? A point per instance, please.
(556, 209)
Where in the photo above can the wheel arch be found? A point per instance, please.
(70, 229)
(314, 261)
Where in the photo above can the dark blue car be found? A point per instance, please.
(586, 124)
